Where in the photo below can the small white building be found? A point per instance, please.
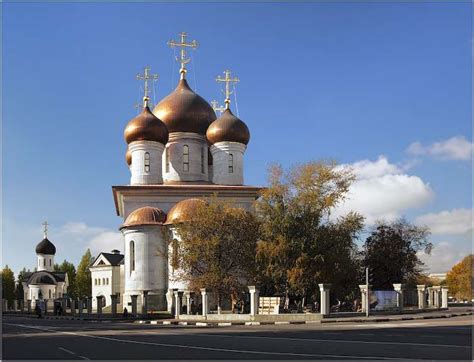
(107, 277)
(45, 283)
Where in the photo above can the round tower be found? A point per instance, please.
(146, 257)
(146, 136)
(45, 251)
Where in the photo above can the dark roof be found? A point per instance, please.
(42, 278)
(113, 259)
(60, 276)
(45, 247)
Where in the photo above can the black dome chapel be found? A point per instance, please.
(45, 247)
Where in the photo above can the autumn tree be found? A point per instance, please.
(460, 279)
(8, 285)
(83, 277)
(301, 244)
(216, 248)
(390, 253)
(70, 270)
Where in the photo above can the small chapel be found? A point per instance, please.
(179, 153)
(45, 283)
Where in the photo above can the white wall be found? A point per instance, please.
(45, 262)
(103, 289)
(220, 153)
(139, 174)
(151, 266)
(197, 144)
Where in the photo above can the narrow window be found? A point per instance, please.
(49, 262)
(167, 160)
(132, 256)
(147, 162)
(98, 281)
(186, 158)
(103, 281)
(50, 294)
(107, 281)
(202, 159)
(231, 163)
(44, 262)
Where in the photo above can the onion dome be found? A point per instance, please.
(146, 127)
(185, 111)
(228, 128)
(183, 211)
(128, 157)
(42, 278)
(145, 216)
(45, 247)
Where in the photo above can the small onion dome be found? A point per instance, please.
(146, 127)
(42, 278)
(128, 157)
(228, 128)
(185, 111)
(183, 211)
(145, 216)
(45, 247)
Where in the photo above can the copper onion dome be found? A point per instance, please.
(183, 211)
(45, 247)
(145, 216)
(146, 127)
(128, 157)
(185, 111)
(228, 128)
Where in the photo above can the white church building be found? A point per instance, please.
(179, 154)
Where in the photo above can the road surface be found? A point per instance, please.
(31, 338)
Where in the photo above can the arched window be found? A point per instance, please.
(202, 159)
(107, 280)
(98, 281)
(44, 262)
(167, 159)
(147, 162)
(50, 294)
(186, 158)
(231, 163)
(132, 256)
(103, 281)
(49, 262)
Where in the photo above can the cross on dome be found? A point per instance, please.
(146, 77)
(227, 80)
(183, 45)
(45, 229)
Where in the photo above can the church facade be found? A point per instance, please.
(179, 154)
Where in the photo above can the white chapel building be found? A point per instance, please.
(179, 154)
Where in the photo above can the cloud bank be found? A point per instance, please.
(453, 222)
(454, 148)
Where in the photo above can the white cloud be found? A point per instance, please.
(442, 258)
(383, 191)
(454, 222)
(454, 148)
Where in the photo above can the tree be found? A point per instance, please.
(390, 253)
(216, 249)
(8, 285)
(70, 269)
(460, 279)
(19, 292)
(83, 277)
(301, 245)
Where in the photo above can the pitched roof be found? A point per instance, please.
(113, 259)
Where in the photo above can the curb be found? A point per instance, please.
(255, 323)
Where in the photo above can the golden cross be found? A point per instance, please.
(182, 44)
(146, 77)
(45, 229)
(216, 107)
(227, 80)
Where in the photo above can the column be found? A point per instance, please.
(429, 290)
(113, 298)
(436, 296)
(187, 294)
(99, 305)
(363, 293)
(170, 301)
(204, 302)
(89, 305)
(177, 303)
(145, 302)
(45, 306)
(134, 304)
(444, 297)
(254, 294)
(28, 304)
(80, 307)
(325, 303)
(73, 306)
(399, 289)
(421, 296)
(15, 305)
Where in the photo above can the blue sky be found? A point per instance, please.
(383, 87)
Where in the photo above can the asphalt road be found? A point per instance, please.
(30, 338)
